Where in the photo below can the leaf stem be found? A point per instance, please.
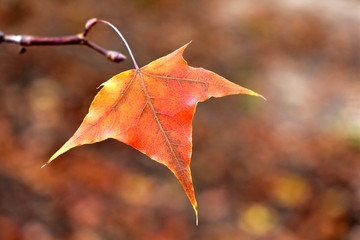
(122, 38)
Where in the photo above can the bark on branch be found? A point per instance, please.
(77, 39)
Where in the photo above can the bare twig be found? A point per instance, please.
(77, 39)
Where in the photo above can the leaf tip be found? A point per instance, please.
(196, 216)
(262, 97)
(182, 49)
(257, 95)
(44, 165)
(50, 160)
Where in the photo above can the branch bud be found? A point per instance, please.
(115, 56)
(89, 24)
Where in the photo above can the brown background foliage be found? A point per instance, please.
(285, 169)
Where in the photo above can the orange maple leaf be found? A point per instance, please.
(151, 109)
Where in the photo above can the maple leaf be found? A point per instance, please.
(151, 108)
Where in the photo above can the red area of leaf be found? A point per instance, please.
(152, 109)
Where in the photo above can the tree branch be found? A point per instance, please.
(77, 39)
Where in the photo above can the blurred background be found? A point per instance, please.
(285, 169)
